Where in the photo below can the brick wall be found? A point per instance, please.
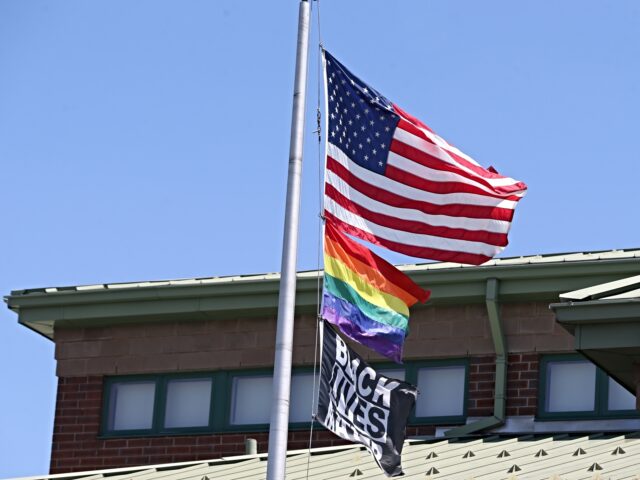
(86, 355)
(76, 445)
(436, 332)
(522, 385)
(177, 346)
(482, 378)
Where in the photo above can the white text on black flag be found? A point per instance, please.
(358, 404)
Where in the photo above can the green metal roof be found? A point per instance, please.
(524, 457)
(408, 268)
(530, 278)
(625, 288)
(605, 322)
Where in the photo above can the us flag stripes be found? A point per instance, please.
(392, 181)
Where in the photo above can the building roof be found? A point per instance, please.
(529, 278)
(492, 457)
(620, 289)
(407, 268)
(605, 322)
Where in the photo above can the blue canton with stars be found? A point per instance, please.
(361, 120)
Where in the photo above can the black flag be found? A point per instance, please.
(358, 404)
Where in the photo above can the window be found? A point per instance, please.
(442, 388)
(188, 403)
(619, 398)
(131, 405)
(302, 397)
(573, 387)
(199, 402)
(158, 404)
(167, 404)
(247, 392)
(397, 373)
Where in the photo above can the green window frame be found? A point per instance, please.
(160, 402)
(413, 370)
(601, 394)
(259, 427)
(220, 408)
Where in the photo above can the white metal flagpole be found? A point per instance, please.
(279, 428)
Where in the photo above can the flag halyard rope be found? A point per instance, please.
(320, 233)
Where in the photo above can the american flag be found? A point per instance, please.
(392, 181)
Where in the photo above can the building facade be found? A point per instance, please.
(173, 371)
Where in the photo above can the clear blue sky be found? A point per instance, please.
(149, 140)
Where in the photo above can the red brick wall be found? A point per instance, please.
(436, 332)
(76, 445)
(85, 355)
(522, 385)
(482, 377)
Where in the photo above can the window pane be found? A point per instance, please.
(619, 397)
(397, 373)
(571, 386)
(188, 403)
(131, 405)
(441, 391)
(301, 397)
(251, 400)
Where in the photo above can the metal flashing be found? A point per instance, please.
(408, 268)
(605, 290)
(522, 279)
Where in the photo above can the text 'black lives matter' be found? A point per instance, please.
(358, 404)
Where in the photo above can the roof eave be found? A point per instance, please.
(43, 311)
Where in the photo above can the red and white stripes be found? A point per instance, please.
(432, 202)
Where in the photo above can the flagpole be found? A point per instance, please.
(279, 428)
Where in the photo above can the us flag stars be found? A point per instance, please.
(390, 180)
(361, 121)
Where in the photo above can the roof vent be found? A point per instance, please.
(204, 478)
(514, 468)
(356, 473)
(503, 454)
(432, 455)
(541, 453)
(579, 452)
(469, 454)
(594, 467)
(433, 471)
(618, 451)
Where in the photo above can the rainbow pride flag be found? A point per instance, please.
(366, 297)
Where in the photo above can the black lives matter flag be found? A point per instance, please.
(358, 404)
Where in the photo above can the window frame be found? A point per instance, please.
(252, 427)
(259, 427)
(600, 410)
(412, 377)
(222, 397)
(106, 405)
(160, 403)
